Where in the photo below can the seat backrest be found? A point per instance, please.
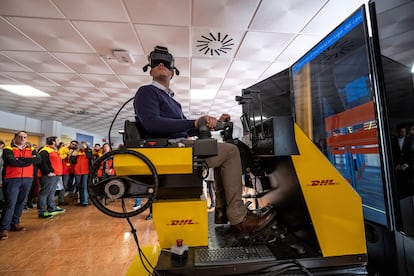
(131, 134)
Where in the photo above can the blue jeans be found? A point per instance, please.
(68, 182)
(16, 191)
(82, 184)
(46, 198)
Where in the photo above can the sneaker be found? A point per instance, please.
(45, 215)
(17, 228)
(58, 210)
(136, 207)
(4, 235)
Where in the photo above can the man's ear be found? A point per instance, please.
(172, 74)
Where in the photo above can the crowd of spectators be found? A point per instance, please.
(47, 178)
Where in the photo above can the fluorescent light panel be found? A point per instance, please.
(24, 90)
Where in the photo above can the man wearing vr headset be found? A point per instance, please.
(158, 115)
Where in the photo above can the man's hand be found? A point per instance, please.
(225, 117)
(211, 122)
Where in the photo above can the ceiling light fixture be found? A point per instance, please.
(24, 90)
(123, 56)
(215, 44)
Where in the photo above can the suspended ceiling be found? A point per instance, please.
(65, 48)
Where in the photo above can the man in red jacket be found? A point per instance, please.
(18, 176)
(81, 171)
(51, 168)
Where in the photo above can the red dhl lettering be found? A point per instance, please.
(322, 182)
(181, 222)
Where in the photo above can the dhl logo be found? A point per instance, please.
(181, 222)
(323, 182)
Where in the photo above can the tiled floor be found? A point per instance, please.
(82, 241)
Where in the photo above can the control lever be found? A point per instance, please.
(204, 130)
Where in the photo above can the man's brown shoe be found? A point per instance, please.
(220, 216)
(4, 235)
(253, 222)
(17, 228)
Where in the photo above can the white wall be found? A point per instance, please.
(13, 122)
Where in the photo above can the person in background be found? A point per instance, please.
(69, 160)
(35, 185)
(137, 204)
(18, 177)
(97, 151)
(106, 169)
(62, 186)
(81, 171)
(401, 152)
(51, 169)
(2, 199)
(210, 187)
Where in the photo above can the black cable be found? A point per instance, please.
(142, 257)
(116, 116)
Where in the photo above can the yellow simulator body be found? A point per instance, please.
(334, 208)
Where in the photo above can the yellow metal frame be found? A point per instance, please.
(165, 160)
(334, 206)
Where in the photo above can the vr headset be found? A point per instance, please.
(161, 55)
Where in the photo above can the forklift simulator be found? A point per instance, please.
(318, 229)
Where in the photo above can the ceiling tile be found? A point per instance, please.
(8, 65)
(263, 46)
(38, 61)
(299, 46)
(331, 16)
(171, 12)
(38, 8)
(32, 79)
(247, 69)
(209, 67)
(107, 81)
(133, 82)
(12, 39)
(285, 16)
(206, 83)
(234, 14)
(105, 37)
(84, 63)
(176, 39)
(93, 10)
(53, 34)
(67, 79)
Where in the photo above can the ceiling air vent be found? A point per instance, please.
(215, 44)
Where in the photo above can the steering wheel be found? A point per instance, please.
(104, 184)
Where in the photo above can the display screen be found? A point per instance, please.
(334, 106)
(268, 98)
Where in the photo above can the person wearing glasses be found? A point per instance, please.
(18, 177)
